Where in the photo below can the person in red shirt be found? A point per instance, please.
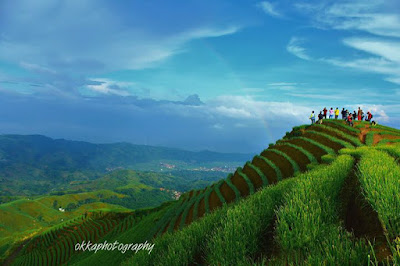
(360, 112)
(325, 111)
(350, 120)
(369, 117)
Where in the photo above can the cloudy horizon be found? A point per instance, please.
(226, 76)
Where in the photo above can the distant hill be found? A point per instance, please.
(52, 163)
(41, 151)
(322, 195)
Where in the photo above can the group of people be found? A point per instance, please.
(346, 115)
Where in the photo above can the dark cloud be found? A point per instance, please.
(140, 121)
(193, 100)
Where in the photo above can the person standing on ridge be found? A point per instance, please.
(359, 114)
(369, 117)
(344, 114)
(350, 119)
(325, 111)
(312, 117)
(336, 113)
(320, 117)
(331, 112)
(354, 115)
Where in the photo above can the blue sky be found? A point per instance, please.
(218, 75)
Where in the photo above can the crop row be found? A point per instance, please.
(56, 246)
(307, 227)
(341, 125)
(280, 161)
(379, 176)
(238, 235)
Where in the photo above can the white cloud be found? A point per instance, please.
(138, 52)
(376, 17)
(370, 64)
(37, 68)
(389, 50)
(295, 47)
(112, 44)
(395, 80)
(381, 18)
(73, 39)
(269, 9)
(107, 86)
(207, 33)
(218, 126)
(319, 96)
(282, 84)
(249, 108)
(233, 112)
(243, 110)
(384, 57)
(378, 111)
(251, 90)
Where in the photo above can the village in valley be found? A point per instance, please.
(225, 169)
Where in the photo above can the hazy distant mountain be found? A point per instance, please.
(41, 151)
(59, 161)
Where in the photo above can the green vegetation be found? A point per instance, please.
(295, 166)
(234, 188)
(307, 224)
(342, 125)
(37, 165)
(316, 143)
(309, 155)
(379, 176)
(323, 195)
(334, 139)
(369, 140)
(329, 130)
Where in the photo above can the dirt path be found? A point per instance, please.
(378, 138)
(360, 218)
(363, 133)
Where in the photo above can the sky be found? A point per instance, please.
(227, 76)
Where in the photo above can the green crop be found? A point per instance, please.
(307, 225)
(379, 176)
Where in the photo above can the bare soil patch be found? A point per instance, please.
(214, 201)
(281, 162)
(240, 184)
(189, 216)
(266, 169)
(313, 149)
(378, 138)
(228, 194)
(253, 176)
(323, 140)
(300, 158)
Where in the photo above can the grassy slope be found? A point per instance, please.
(23, 218)
(301, 202)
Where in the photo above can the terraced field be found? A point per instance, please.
(324, 194)
(285, 159)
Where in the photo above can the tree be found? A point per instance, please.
(71, 206)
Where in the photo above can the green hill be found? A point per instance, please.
(36, 165)
(322, 195)
(120, 190)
